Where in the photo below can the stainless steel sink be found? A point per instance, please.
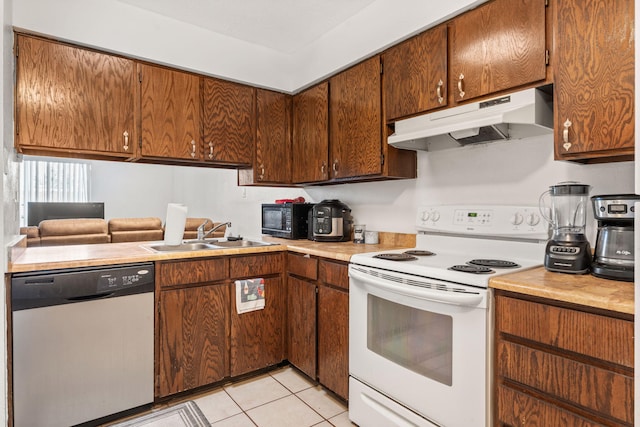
(206, 246)
(184, 247)
(241, 244)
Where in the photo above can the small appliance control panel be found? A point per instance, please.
(495, 220)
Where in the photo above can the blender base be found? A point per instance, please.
(568, 257)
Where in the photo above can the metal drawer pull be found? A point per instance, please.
(565, 135)
(460, 87)
(125, 134)
(439, 91)
(211, 150)
(193, 148)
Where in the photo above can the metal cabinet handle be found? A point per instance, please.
(211, 150)
(565, 135)
(439, 92)
(125, 134)
(261, 175)
(323, 168)
(193, 148)
(460, 85)
(335, 167)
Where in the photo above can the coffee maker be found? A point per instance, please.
(568, 250)
(613, 256)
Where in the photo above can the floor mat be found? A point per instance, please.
(186, 414)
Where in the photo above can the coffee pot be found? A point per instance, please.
(614, 252)
(568, 250)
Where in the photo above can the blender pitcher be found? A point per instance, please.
(568, 250)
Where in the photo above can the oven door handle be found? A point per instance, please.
(462, 298)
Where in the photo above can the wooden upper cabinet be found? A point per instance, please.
(594, 80)
(170, 113)
(355, 121)
(73, 100)
(273, 138)
(498, 46)
(311, 135)
(228, 120)
(415, 75)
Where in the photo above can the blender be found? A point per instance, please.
(568, 250)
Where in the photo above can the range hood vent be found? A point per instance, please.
(515, 116)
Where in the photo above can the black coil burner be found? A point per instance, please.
(475, 269)
(418, 252)
(495, 263)
(395, 257)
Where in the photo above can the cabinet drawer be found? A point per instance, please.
(518, 409)
(593, 335)
(334, 273)
(302, 265)
(256, 265)
(592, 388)
(189, 272)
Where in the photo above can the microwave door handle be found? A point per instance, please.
(470, 299)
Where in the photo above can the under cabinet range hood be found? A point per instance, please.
(514, 116)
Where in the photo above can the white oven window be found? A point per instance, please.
(418, 340)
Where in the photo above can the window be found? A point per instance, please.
(48, 180)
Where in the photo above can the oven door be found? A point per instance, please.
(417, 347)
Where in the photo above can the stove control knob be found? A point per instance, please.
(516, 218)
(425, 216)
(435, 216)
(533, 219)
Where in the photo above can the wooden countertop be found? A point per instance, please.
(342, 251)
(582, 289)
(72, 256)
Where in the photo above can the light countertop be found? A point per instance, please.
(582, 289)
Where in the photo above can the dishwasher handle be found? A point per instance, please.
(89, 297)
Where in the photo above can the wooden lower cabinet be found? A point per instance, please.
(302, 325)
(257, 337)
(318, 299)
(333, 340)
(561, 365)
(193, 334)
(200, 337)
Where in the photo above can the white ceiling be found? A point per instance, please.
(286, 26)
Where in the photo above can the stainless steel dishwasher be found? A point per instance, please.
(82, 343)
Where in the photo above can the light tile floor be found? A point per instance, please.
(281, 398)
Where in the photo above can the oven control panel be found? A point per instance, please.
(495, 220)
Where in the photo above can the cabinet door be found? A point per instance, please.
(302, 325)
(497, 46)
(257, 337)
(594, 79)
(170, 110)
(311, 135)
(228, 122)
(415, 75)
(193, 338)
(73, 100)
(355, 117)
(333, 340)
(273, 138)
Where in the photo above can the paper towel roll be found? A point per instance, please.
(174, 225)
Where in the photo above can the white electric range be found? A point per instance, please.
(420, 319)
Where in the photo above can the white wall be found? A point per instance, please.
(119, 27)
(503, 172)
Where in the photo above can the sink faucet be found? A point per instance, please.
(202, 234)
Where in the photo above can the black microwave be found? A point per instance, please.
(286, 220)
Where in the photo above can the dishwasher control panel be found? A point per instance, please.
(111, 281)
(57, 287)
